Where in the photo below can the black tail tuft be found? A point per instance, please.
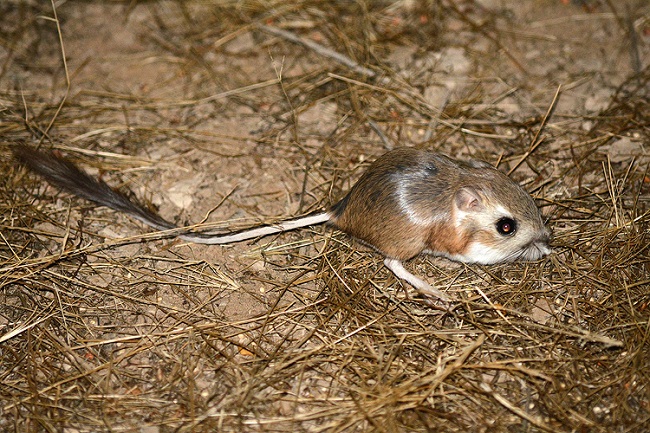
(63, 174)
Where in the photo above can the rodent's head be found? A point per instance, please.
(501, 221)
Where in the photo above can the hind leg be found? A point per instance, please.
(422, 286)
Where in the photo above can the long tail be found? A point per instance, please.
(283, 226)
(63, 174)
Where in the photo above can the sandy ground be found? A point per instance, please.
(207, 117)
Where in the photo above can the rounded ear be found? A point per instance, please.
(468, 200)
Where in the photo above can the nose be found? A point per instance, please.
(544, 248)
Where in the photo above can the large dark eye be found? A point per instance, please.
(506, 226)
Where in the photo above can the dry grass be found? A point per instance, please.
(105, 329)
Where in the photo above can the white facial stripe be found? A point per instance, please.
(486, 255)
(479, 253)
(502, 211)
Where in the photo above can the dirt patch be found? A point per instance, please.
(208, 113)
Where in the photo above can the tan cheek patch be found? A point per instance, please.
(448, 239)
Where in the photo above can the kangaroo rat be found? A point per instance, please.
(409, 201)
